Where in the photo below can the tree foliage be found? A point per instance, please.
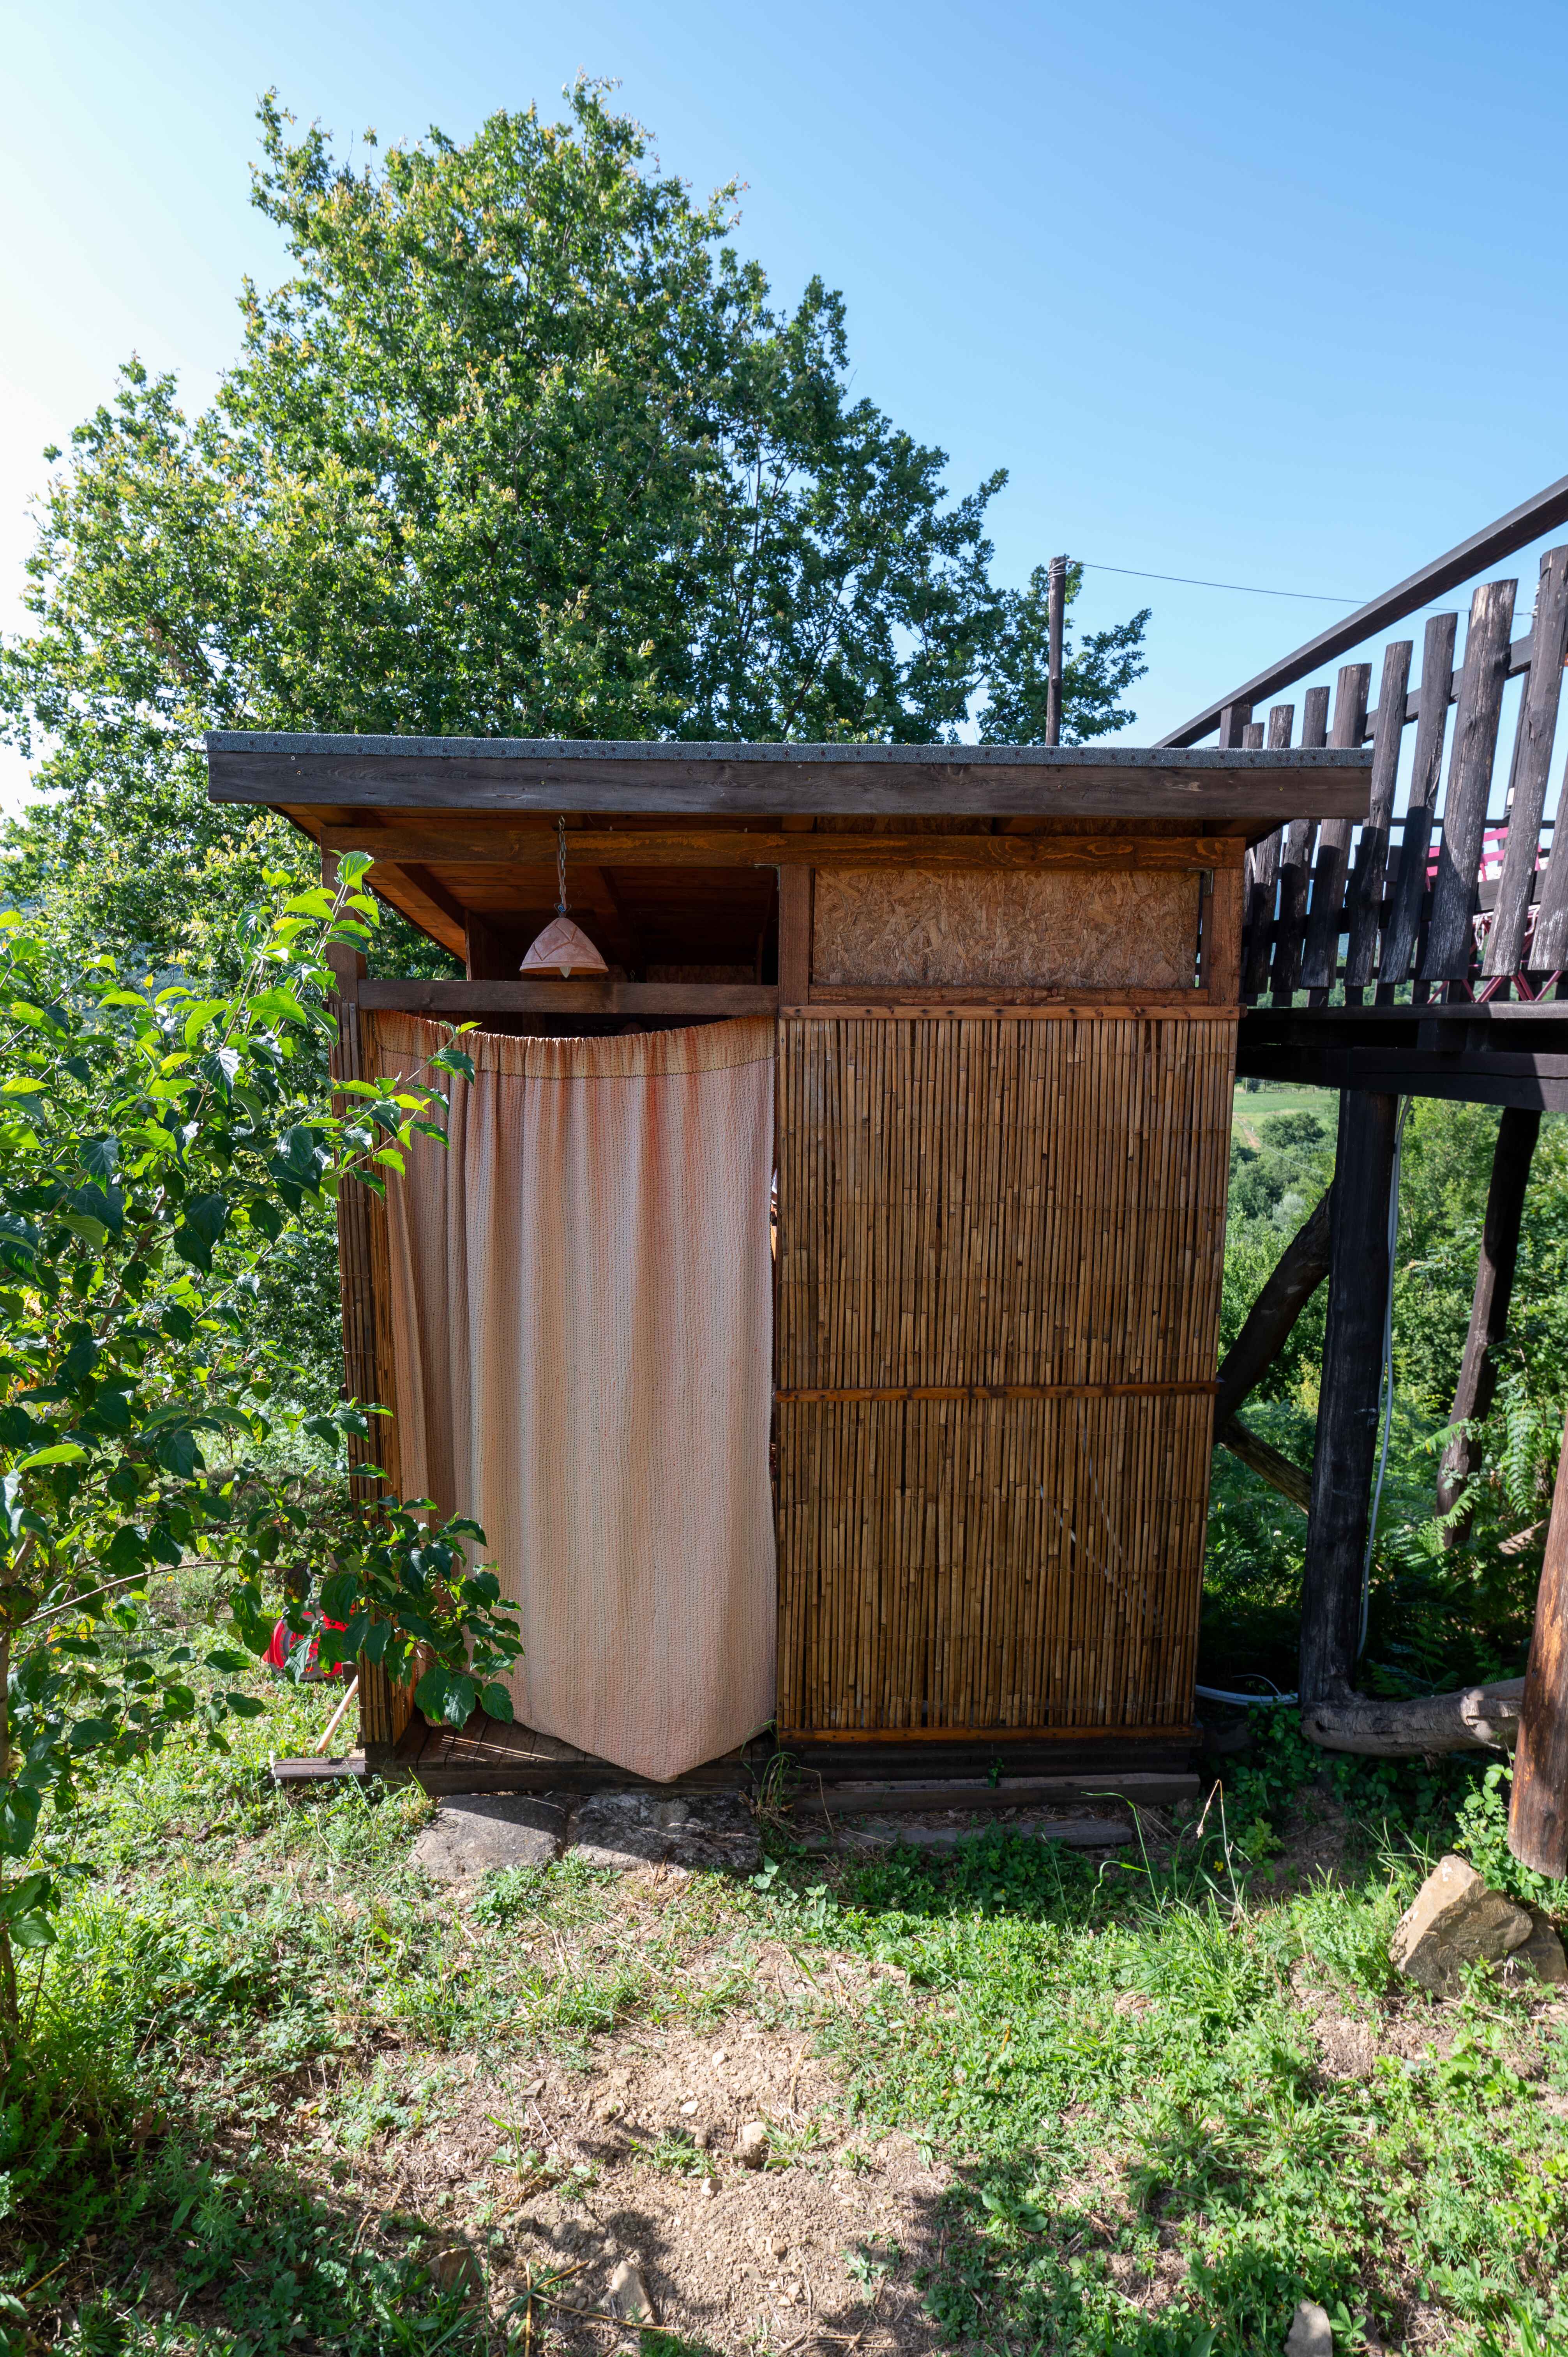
(156, 1146)
(524, 447)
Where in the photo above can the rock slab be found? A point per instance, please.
(1455, 1920)
(624, 1830)
(474, 1833)
(1310, 2334)
(1542, 1956)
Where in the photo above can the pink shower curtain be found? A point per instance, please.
(580, 1302)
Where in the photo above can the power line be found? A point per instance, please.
(1244, 588)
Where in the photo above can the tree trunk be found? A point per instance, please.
(1297, 1274)
(1538, 1814)
(1477, 1719)
(1517, 1134)
(1347, 1441)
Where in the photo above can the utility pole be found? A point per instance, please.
(1056, 613)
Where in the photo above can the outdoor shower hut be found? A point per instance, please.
(987, 1000)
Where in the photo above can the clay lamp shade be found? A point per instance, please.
(563, 948)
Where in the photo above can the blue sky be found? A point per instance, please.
(1262, 295)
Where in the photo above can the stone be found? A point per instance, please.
(1541, 1957)
(1455, 1920)
(627, 2296)
(456, 2268)
(627, 1830)
(1310, 2334)
(475, 1833)
(751, 2145)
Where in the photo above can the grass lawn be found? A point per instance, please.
(1252, 1105)
(282, 2094)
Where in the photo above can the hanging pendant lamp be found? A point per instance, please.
(563, 947)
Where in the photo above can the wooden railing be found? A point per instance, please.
(1410, 905)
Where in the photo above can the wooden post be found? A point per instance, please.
(1538, 1814)
(1347, 1444)
(794, 935)
(356, 1290)
(1056, 615)
(1517, 1134)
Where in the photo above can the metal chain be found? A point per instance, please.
(561, 866)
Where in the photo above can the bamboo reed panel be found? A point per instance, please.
(912, 926)
(999, 1252)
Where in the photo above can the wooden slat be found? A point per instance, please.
(1435, 694)
(1375, 868)
(1321, 955)
(1450, 943)
(769, 780)
(1206, 1385)
(1262, 875)
(1295, 866)
(469, 842)
(1532, 767)
(1187, 1007)
(459, 998)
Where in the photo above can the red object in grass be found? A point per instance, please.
(285, 1644)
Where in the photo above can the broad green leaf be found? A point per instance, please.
(63, 1452)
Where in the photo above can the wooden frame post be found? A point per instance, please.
(357, 1288)
(1346, 1443)
(1517, 1134)
(1537, 1813)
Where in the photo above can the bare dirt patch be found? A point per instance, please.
(635, 2158)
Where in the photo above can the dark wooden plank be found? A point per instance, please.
(772, 780)
(1532, 766)
(1346, 1448)
(1375, 867)
(862, 1799)
(1538, 1809)
(1263, 874)
(458, 999)
(1321, 955)
(1515, 530)
(1267, 1327)
(1511, 1157)
(1450, 942)
(469, 843)
(1234, 725)
(1263, 1459)
(1296, 865)
(1434, 697)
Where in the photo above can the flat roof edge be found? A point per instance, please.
(677, 750)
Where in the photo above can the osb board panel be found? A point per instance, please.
(976, 1201)
(1006, 1564)
(1066, 930)
(989, 1202)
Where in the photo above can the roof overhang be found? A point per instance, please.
(1250, 791)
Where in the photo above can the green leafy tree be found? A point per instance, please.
(521, 447)
(156, 1144)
